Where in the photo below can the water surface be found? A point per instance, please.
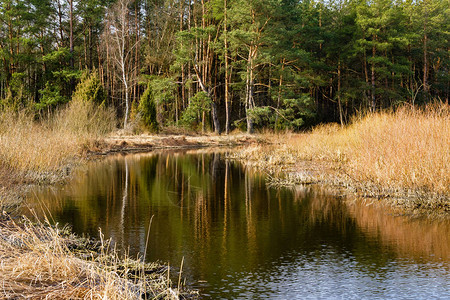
(240, 239)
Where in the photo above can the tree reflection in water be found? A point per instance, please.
(226, 223)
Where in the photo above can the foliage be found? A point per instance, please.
(147, 110)
(164, 94)
(163, 90)
(307, 61)
(296, 112)
(86, 114)
(90, 89)
(198, 105)
(50, 98)
(259, 115)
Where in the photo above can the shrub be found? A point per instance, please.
(147, 110)
(199, 104)
(90, 89)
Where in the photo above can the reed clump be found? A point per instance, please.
(43, 262)
(44, 150)
(406, 151)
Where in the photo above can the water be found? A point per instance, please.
(240, 239)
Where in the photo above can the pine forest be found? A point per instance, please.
(222, 65)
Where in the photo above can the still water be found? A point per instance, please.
(240, 239)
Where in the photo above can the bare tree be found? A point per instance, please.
(118, 37)
(70, 2)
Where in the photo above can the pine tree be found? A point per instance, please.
(147, 110)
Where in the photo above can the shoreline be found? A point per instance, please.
(101, 262)
(283, 172)
(68, 249)
(264, 152)
(14, 185)
(146, 143)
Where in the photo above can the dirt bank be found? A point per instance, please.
(144, 143)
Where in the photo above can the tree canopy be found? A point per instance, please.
(227, 63)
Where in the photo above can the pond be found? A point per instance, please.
(240, 239)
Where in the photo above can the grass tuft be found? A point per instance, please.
(45, 150)
(407, 151)
(44, 262)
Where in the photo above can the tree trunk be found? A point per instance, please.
(136, 54)
(71, 32)
(127, 109)
(373, 103)
(227, 99)
(215, 117)
(249, 92)
(280, 85)
(60, 24)
(11, 48)
(183, 79)
(366, 72)
(426, 88)
(203, 122)
(341, 118)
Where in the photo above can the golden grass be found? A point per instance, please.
(407, 150)
(41, 262)
(28, 147)
(44, 150)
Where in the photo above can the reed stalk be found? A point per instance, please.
(403, 152)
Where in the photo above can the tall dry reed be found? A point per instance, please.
(43, 150)
(407, 150)
(43, 262)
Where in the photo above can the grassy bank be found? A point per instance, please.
(44, 150)
(43, 262)
(402, 155)
(40, 261)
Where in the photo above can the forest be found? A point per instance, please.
(288, 141)
(221, 65)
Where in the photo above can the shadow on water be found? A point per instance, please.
(241, 239)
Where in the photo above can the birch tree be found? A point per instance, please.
(118, 35)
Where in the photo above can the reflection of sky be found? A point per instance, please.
(333, 276)
(240, 239)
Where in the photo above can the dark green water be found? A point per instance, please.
(242, 240)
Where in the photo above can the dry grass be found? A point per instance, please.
(407, 151)
(45, 150)
(39, 261)
(42, 262)
(31, 148)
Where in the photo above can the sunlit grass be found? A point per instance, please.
(27, 146)
(407, 150)
(43, 262)
(39, 149)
